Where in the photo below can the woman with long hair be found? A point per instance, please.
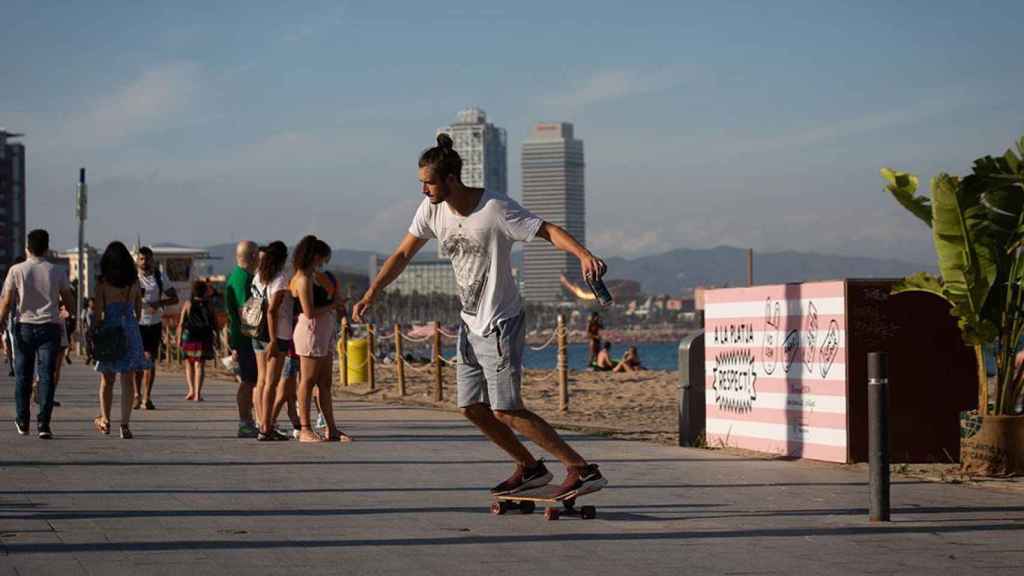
(117, 305)
(314, 336)
(271, 284)
(195, 337)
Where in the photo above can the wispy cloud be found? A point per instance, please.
(949, 99)
(151, 101)
(609, 85)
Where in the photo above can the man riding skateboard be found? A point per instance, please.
(476, 229)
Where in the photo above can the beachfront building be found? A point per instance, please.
(421, 276)
(89, 272)
(179, 265)
(12, 200)
(552, 165)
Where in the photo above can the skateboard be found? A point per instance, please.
(526, 502)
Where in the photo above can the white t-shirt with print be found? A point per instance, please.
(151, 295)
(479, 247)
(284, 312)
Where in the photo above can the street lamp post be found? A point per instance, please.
(81, 212)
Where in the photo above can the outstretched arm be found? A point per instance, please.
(391, 269)
(592, 266)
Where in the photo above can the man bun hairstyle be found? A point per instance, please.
(442, 159)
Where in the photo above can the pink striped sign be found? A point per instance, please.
(775, 369)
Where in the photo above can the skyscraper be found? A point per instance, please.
(552, 189)
(12, 200)
(483, 148)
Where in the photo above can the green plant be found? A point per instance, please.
(977, 227)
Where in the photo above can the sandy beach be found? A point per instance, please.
(640, 405)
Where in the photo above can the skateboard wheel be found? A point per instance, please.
(527, 507)
(552, 514)
(499, 508)
(588, 512)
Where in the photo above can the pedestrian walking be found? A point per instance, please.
(118, 340)
(35, 290)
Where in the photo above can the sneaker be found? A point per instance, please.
(524, 479)
(44, 432)
(296, 432)
(22, 427)
(150, 405)
(263, 437)
(581, 481)
(247, 430)
(321, 422)
(278, 436)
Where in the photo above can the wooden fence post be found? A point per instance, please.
(399, 360)
(563, 365)
(438, 376)
(371, 360)
(343, 353)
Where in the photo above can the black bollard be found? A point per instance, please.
(878, 435)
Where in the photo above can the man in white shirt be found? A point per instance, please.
(36, 289)
(476, 230)
(156, 295)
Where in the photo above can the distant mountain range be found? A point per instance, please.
(679, 270)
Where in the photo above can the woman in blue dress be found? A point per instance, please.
(118, 302)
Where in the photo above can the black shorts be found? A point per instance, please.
(246, 363)
(151, 336)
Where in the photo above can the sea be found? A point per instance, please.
(653, 355)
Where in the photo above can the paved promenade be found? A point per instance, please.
(410, 497)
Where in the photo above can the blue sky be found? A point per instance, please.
(704, 123)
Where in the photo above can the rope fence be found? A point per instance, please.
(365, 370)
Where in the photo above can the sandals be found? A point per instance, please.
(126, 434)
(101, 425)
(339, 436)
(316, 437)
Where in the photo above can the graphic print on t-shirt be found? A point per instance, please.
(471, 261)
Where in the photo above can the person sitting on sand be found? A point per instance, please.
(603, 362)
(630, 361)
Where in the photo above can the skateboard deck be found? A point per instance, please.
(527, 500)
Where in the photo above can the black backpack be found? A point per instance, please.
(198, 322)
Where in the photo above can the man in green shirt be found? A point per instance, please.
(235, 295)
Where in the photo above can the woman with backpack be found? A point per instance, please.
(271, 285)
(195, 338)
(117, 340)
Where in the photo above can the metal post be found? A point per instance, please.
(370, 356)
(81, 210)
(438, 376)
(399, 360)
(692, 411)
(878, 434)
(563, 366)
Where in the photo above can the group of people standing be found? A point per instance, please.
(282, 328)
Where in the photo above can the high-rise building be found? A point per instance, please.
(12, 200)
(483, 148)
(552, 189)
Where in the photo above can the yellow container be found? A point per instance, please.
(356, 357)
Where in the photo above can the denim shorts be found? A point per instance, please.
(490, 368)
(282, 345)
(291, 367)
